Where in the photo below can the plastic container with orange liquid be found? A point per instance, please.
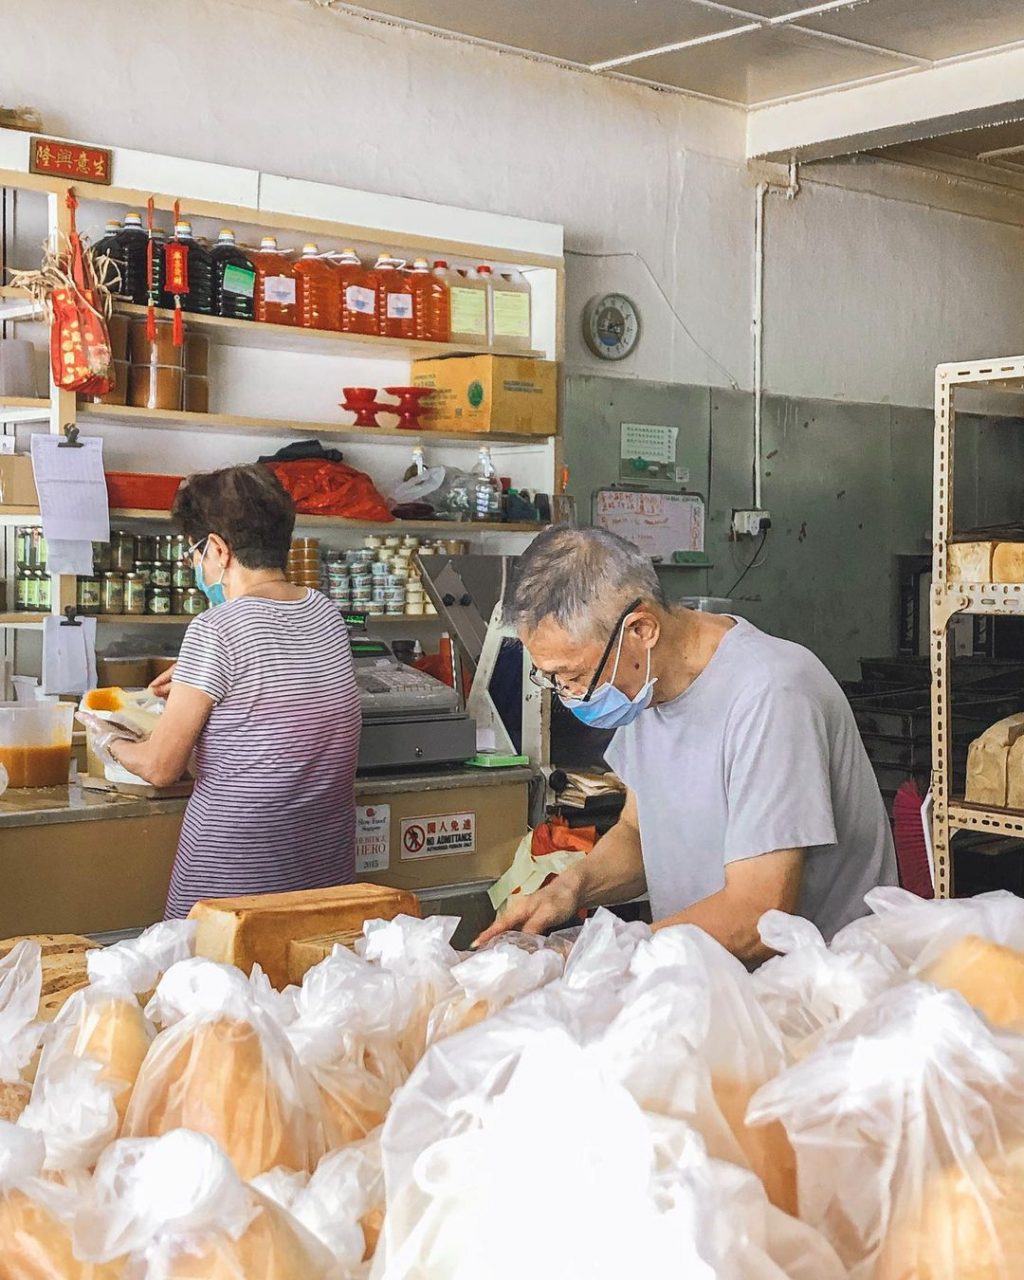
(276, 284)
(358, 291)
(396, 298)
(319, 291)
(35, 742)
(430, 302)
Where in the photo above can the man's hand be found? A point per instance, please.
(161, 686)
(535, 912)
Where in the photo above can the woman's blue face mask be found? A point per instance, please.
(214, 591)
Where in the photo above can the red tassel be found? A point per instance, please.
(151, 323)
(178, 329)
(150, 290)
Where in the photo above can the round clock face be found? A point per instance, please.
(611, 326)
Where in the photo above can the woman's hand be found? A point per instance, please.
(102, 733)
(161, 686)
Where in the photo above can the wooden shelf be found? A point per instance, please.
(284, 337)
(23, 408)
(179, 420)
(122, 619)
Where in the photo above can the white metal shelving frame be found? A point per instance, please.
(951, 599)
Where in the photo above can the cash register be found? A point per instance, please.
(409, 717)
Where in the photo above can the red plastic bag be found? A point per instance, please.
(322, 488)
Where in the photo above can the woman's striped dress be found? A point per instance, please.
(274, 802)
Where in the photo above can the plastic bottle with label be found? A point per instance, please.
(511, 319)
(133, 247)
(276, 290)
(234, 279)
(418, 464)
(199, 268)
(319, 291)
(396, 299)
(430, 291)
(358, 290)
(486, 488)
(468, 295)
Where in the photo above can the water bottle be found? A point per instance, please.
(486, 488)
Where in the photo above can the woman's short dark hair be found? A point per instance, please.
(246, 506)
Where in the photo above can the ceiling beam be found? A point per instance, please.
(905, 107)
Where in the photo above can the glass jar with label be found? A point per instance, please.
(44, 592)
(113, 593)
(122, 551)
(134, 593)
(89, 595)
(23, 592)
(144, 570)
(145, 547)
(165, 548)
(179, 546)
(158, 600)
(101, 557)
(181, 575)
(193, 602)
(160, 574)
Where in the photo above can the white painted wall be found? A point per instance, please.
(862, 300)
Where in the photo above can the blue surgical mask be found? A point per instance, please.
(608, 707)
(214, 591)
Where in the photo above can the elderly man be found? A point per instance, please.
(748, 786)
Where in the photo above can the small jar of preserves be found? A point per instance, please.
(182, 576)
(113, 593)
(134, 593)
(145, 547)
(160, 574)
(90, 595)
(165, 548)
(179, 546)
(44, 592)
(101, 557)
(193, 602)
(144, 570)
(158, 600)
(122, 550)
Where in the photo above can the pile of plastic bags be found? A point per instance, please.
(606, 1102)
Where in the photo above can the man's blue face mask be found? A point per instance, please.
(214, 591)
(608, 707)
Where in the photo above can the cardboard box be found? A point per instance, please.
(17, 483)
(479, 394)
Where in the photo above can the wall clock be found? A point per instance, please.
(611, 326)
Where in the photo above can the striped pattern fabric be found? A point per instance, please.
(274, 803)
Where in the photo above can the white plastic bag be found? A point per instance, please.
(21, 980)
(349, 1015)
(908, 1125)
(74, 1111)
(488, 981)
(224, 1067)
(809, 987)
(139, 963)
(175, 1207)
(420, 956)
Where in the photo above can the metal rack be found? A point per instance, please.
(949, 599)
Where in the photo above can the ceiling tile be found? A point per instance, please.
(582, 31)
(926, 28)
(760, 66)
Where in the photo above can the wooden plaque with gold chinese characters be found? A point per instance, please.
(70, 160)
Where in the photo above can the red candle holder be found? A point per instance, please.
(410, 406)
(362, 401)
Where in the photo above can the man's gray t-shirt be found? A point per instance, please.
(760, 753)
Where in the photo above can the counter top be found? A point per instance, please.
(41, 806)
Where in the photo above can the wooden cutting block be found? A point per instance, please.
(971, 561)
(258, 929)
(304, 953)
(1008, 562)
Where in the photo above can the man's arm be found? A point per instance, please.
(613, 871)
(752, 887)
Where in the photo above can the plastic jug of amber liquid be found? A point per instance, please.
(511, 319)
(469, 294)
(319, 290)
(396, 299)
(430, 301)
(358, 290)
(276, 287)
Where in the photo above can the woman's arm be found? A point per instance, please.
(164, 756)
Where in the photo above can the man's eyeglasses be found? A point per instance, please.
(545, 681)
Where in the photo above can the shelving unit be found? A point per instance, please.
(950, 599)
(144, 440)
(35, 620)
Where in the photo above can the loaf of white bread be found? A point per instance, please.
(989, 762)
(259, 929)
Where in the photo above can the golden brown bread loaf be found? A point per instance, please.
(988, 976)
(257, 929)
(113, 1031)
(1008, 562)
(270, 1248)
(34, 1245)
(988, 762)
(216, 1081)
(766, 1146)
(13, 1099)
(304, 953)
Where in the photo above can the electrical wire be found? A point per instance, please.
(633, 253)
(753, 562)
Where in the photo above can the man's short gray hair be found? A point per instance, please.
(581, 578)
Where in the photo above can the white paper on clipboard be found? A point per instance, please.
(72, 488)
(658, 523)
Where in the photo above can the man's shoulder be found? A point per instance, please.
(765, 665)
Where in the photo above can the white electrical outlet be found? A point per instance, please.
(750, 523)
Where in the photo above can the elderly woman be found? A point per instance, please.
(264, 694)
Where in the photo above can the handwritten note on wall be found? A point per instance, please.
(659, 523)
